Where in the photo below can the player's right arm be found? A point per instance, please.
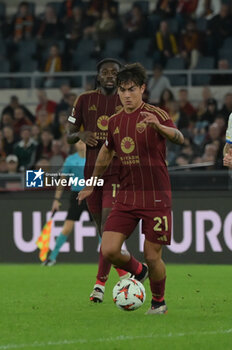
(76, 119)
(104, 159)
(74, 135)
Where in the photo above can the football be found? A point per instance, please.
(129, 294)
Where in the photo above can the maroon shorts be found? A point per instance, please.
(156, 222)
(103, 196)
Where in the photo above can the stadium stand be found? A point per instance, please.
(137, 38)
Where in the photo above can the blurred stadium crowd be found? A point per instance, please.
(74, 35)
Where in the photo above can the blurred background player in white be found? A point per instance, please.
(74, 164)
(227, 161)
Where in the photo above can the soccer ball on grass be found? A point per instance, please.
(129, 294)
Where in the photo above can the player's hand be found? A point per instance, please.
(150, 119)
(86, 192)
(88, 137)
(56, 205)
(227, 160)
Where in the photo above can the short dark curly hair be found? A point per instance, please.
(134, 72)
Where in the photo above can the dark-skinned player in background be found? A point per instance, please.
(92, 110)
(137, 134)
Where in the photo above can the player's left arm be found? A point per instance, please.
(171, 133)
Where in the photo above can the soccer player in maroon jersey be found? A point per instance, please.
(137, 134)
(92, 110)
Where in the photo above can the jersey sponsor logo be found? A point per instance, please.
(116, 131)
(127, 145)
(140, 127)
(117, 108)
(102, 122)
(92, 108)
(71, 119)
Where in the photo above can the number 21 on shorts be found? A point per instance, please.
(160, 223)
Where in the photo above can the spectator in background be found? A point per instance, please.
(3, 164)
(14, 103)
(7, 119)
(44, 164)
(165, 98)
(67, 9)
(185, 10)
(2, 153)
(166, 8)
(227, 106)
(222, 78)
(220, 120)
(20, 120)
(210, 155)
(53, 65)
(44, 149)
(202, 107)
(12, 163)
(74, 28)
(134, 27)
(211, 111)
(218, 29)
(207, 9)
(157, 84)
(214, 134)
(71, 99)
(9, 139)
(44, 103)
(173, 111)
(44, 119)
(58, 156)
(190, 44)
(25, 149)
(23, 23)
(165, 43)
(187, 111)
(182, 159)
(214, 145)
(60, 127)
(63, 104)
(95, 8)
(35, 133)
(102, 30)
(49, 28)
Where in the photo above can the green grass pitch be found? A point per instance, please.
(48, 308)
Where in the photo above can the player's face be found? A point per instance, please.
(131, 95)
(107, 76)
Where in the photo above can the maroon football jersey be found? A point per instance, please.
(92, 109)
(144, 179)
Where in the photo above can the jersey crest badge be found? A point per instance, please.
(140, 127)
